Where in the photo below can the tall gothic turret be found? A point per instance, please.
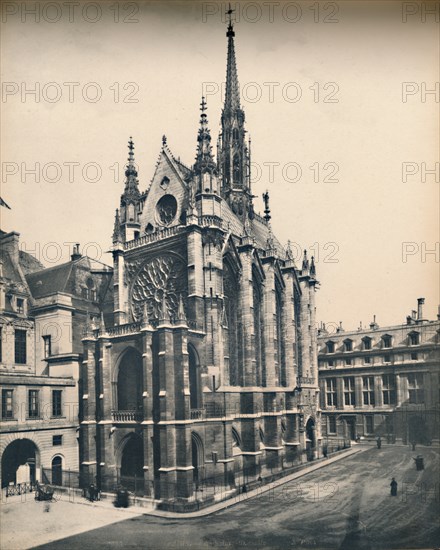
(129, 210)
(205, 167)
(233, 149)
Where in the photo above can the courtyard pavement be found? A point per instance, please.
(345, 505)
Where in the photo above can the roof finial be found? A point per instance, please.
(229, 13)
(305, 264)
(312, 267)
(267, 215)
(117, 235)
(164, 140)
(181, 310)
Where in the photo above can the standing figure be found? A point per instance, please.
(379, 442)
(393, 486)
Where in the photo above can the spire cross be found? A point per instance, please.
(267, 215)
(230, 12)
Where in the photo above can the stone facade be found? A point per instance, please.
(381, 381)
(208, 372)
(43, 313)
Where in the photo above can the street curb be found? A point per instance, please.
(140, 511)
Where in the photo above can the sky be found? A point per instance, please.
(345, 134)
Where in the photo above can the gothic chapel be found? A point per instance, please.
(205, 377)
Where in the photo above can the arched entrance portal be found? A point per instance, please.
(19, 462)
(132, 465)
(197, 458)
(57, 470)
(310, 438)
(130, 382)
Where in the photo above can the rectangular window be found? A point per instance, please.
(367, 360)
(367, 343)
(414, 356)
(415, 388)
(331, 396)
(389, 389)
(20, 305)
(332, 424)
(57, 403)
(348, 345)
(47, 343)
(387, 358)
(414, 339)
(330, 363)
(20, 347)
(7, 404)
(369, 424)
(348, 362)
(386, 341)
(349, 395)
(57, 440)
(330, 347)
(368, 390)
(34, 405)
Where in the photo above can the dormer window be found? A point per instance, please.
(348, 345)
(414, 338)
(366, 343)
(20, 305)
(330, 347)
(386, 341)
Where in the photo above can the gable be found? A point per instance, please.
(166, 199)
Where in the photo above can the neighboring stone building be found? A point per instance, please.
(381, 380)
(209, 374)
(42, 316)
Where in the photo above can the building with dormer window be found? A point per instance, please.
(386, 384)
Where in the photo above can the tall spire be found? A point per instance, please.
(232, 96)
(234, 155)
(204, 158)
(117, 235)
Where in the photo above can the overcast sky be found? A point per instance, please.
(335, 104)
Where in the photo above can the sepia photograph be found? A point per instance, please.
(219, 275)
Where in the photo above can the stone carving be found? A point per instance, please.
(164, 274)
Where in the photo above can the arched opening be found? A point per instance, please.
(198, 458)
(57, 470)
(132, 464)
(130, 382)
(310, 438)
(19, 462)
(260, 364)
(195, 381)
(232, 326)
(280, 366)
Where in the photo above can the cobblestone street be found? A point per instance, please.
(345, 505)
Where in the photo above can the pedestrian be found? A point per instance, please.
(379, 442)
(413, 445)
(393, 486)
(325, 452)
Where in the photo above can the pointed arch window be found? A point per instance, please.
(280, 360)
(260, 364)
(233, 325)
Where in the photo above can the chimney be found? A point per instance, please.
(420, 302)
(374, 325)
(76, 253)
(10, 243)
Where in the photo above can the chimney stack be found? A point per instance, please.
(76, 255)
(420, 302)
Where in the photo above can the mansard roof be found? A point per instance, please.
(63, 277)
